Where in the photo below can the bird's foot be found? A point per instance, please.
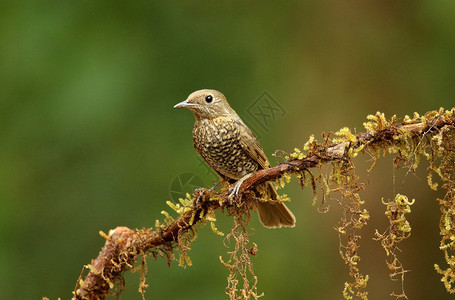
(200, 196)
(201, 192)
(236, 188)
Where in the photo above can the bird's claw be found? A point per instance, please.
(200, 196)
(236, 188)
(234, 192)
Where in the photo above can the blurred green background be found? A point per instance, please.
(89, 139)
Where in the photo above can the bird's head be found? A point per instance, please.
(207, 104)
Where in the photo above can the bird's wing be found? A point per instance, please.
(251, 146)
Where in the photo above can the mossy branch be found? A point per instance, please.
(123, 246)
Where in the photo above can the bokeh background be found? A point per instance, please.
(89, 139)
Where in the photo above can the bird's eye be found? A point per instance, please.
(208, 98)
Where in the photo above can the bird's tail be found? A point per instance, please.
(273, 213)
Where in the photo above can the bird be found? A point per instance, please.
(229, 147)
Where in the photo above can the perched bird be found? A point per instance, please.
(230, 148)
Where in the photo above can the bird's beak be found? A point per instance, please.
(184, 104)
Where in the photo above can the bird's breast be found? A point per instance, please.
(218, 142)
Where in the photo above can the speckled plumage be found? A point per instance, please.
(218, 141)
(230, 148)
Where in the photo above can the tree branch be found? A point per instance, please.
(123, 245)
